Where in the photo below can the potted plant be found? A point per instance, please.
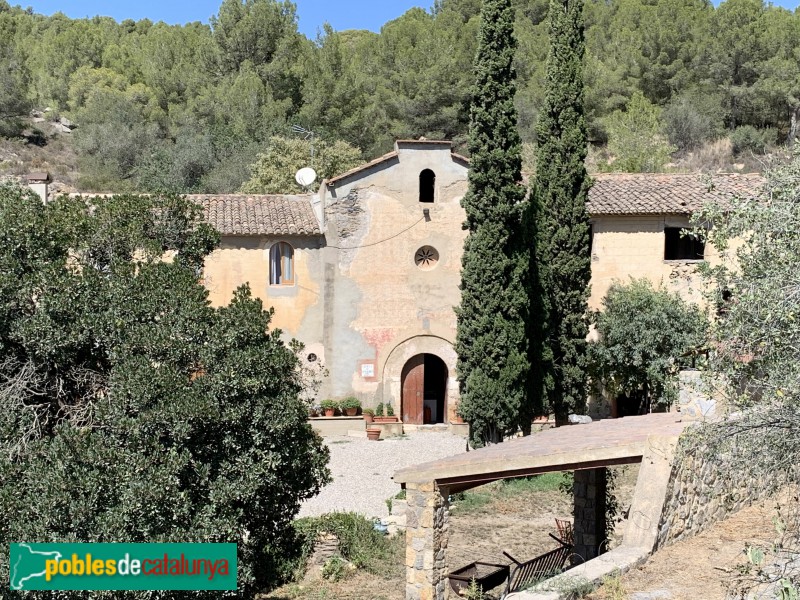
(329, 407)
(385, 413)
(350, 406)
(368, 414)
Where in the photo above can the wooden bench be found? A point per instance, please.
(524, 574)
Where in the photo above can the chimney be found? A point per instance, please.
(38, 182)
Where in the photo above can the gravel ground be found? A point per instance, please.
(362, 470)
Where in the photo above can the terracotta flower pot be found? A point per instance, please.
(329, 412)
(386, 419)
(351, 412)
(373, 434)
(368, 417)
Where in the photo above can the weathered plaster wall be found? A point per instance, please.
(382, 299)
(362, 305)
(298, 307)
(625, 247)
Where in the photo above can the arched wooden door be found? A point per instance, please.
(413, 378)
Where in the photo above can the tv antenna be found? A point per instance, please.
(307, 175)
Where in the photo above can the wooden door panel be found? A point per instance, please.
(413, 390)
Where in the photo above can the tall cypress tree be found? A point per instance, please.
(491, 339)
(561, 264)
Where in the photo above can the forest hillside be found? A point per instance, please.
(142, 106)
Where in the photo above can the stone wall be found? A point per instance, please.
(589, 492)
(695, 400)
(699, 495)
(427, 535)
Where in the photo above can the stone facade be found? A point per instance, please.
(427, 535)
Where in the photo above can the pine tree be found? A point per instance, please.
(491, 339)
(561, 265)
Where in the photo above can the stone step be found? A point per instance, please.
(439, 427)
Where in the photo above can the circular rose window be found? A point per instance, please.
(426, 258)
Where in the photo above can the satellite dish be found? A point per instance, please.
(306, 176)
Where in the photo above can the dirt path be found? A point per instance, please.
(518, 525)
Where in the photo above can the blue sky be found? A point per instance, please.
(342, 14)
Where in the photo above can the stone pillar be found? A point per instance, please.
(426, 541)
(589, 494)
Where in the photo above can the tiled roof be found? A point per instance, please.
(665, 194)
(237, 214)
(38, 176)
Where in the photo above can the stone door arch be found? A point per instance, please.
(405, 367)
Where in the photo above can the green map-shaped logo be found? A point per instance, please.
(28, 564)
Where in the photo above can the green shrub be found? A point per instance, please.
(749, 139)
(379, 409)
(692, 118)
(368, 411)
(389, 410)
(349, 403)
(329, 404)
(474, 591)
(335, 569)
(635, 354)
(359, 542)
(131, 410)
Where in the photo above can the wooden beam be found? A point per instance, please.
(467, 482)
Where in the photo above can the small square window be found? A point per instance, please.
(682, 247)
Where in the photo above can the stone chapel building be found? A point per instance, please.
(366, 271)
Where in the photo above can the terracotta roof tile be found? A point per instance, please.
(237, 214)
(666, 194)
(38, 176)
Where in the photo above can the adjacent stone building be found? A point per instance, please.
(366, 271)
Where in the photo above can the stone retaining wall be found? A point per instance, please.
(698, 495)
